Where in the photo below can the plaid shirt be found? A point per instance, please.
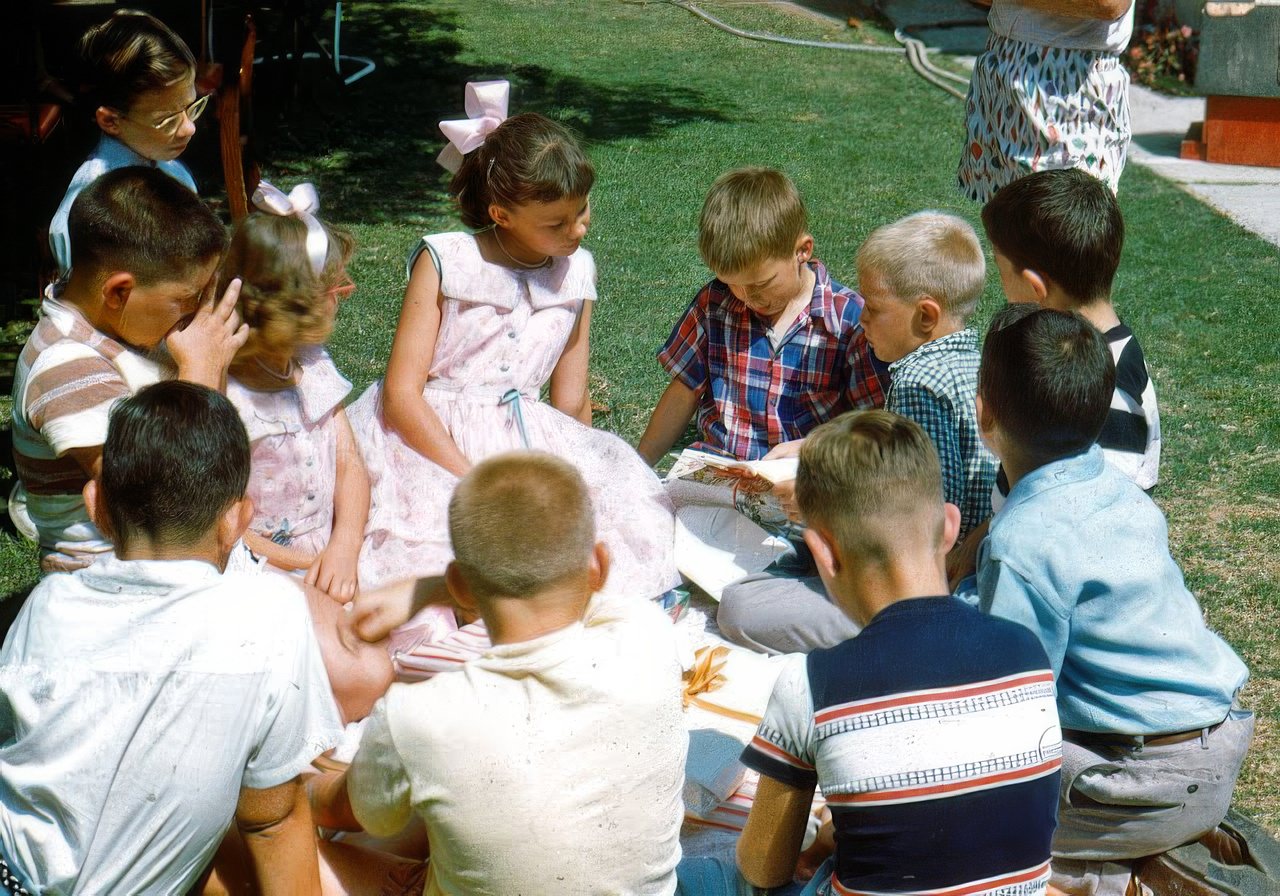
(750, 397)
(935, 386)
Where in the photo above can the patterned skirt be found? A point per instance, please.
(1033, 108)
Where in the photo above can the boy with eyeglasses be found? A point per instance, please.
(141, 79)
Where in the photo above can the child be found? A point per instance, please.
(490, 318)
(552, 763)
(1152, 738)
(771, 347)
(921, 278)
(150, 699)
(1057, 237)
(309, 488)
(145, 253)
(141, 79)
(932, 733)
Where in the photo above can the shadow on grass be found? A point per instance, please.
(371, 147)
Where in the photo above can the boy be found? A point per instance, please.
(771, 347)
(141, 79)
(554, 762)
(150, 699)
(921, 278)
(145, 251)
(1152, 738)
(1057, 237)
(932, 733)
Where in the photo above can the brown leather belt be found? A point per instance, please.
(1135, 741)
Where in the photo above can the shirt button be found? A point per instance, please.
(505, 367)
(511, 334)
(311, 497)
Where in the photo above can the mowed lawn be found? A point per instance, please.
(666, 103)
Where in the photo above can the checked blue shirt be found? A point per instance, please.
(935, 386)
(750, 397)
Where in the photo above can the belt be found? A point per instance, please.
(9, 882)
(1136, 741)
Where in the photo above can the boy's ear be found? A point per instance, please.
(826, 555)
(108, 120)
(456, 584)
(116, 289)
(804, 247)
(598, 570)
(928, 314)
(233, 523)
(950, 527)
(1036, 282)
(97, 508)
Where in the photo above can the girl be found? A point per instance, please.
(490, 318)
(309, 488)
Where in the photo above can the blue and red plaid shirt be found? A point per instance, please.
(750, 397)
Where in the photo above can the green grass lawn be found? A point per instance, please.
(666, 103)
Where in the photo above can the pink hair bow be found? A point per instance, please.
(486, 105)
(302, 202)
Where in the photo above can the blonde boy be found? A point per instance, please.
(553, 762)
(921, 278)
(771, 347)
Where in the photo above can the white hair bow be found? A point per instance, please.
(302, 202)
(486, 105)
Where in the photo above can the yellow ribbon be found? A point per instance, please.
(705, 676)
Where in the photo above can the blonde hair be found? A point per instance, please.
(928, 253)
(864, 472)
(751, 215)
(521, 522)
(281, 298)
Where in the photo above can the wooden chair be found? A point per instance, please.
(233, 86)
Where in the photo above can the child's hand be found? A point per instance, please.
(205, 347)
(962, 561)
(785, 492)
(334, 571)
(784, 449)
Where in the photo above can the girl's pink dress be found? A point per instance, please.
(294, 443)
(501, 334)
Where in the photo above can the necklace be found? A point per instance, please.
(285, 377)
(531, 267)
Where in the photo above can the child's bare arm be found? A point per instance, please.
(205, 347)
(769, 847)
(278, 555)
(570, 392)
(962, 562)
(334, 570)
(670, 418)
(331, 803)
(376, 613)
(403, 408)
(277, 828)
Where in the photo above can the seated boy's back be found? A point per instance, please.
(554, 762)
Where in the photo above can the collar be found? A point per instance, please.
(911, 606)
(822, 304)
(115, 576)
(965, 340)
(118, 155)
(1063, 471)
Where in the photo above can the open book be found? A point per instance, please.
(728, 524)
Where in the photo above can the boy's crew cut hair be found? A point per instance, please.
(131, 53)
(864, 471)
(176, 457)
(928, 253)
(284, 302)
(141, 220)
(527, 158)
(1047, 379)
(1064, 224)
(751, 215)
(520, 522)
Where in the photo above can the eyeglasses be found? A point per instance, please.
(170, 124)
(343, 289)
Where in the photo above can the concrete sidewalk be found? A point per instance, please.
(1249, 196)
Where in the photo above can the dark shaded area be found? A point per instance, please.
(954, 26)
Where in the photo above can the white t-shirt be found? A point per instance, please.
(550, 766)
(138, 698)
(1013, 20)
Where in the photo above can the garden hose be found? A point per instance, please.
(914, 49)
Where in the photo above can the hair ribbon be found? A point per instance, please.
(302, 202)
(486, 106)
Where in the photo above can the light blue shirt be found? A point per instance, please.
(1080, 555)
(108, 155)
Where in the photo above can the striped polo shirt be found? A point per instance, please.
(69, 375)
(934, 737)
